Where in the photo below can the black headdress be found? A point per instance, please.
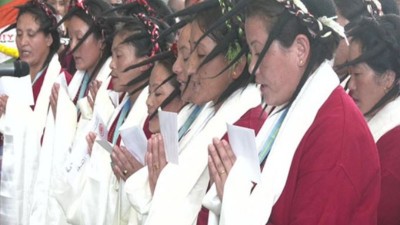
(380, 41)
(143, 26)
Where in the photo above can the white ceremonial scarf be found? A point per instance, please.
(137, 186)
(180, 188)
(240, 205)
(47, 159)
(100, 199)
(28, 156)
(76, 81)
(198, 124)
(72, 178)
(136, 117)
(344, 83)
(43, 100)
(75, 84)
(386, 119)
(57, 142)
(15, 181)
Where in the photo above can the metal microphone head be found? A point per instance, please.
(21, 68)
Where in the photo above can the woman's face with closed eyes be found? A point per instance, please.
(207, 83)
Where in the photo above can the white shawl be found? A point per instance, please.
(22, 148)
(57, 142)
(180, 188)
(240, 205)
(18, 164)
(386, 119)
(99, 201)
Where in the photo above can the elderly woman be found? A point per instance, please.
(318, 159)
(38, 41)
(374, 85)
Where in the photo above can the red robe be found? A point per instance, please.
(146, 130)
(389, 152)
(334, 177)
(253, 119)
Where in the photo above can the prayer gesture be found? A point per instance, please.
(155, 159)
(54, 97)
(90, 138)
(94, 87)
(123, 163)
(220, 161)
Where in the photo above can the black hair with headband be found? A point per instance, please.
(167, 63)
(380, 49)
(217, 21)
(150, 14)
(140, 24)
(354, 10)
(45, 16)
(92, 13)
(287, 19)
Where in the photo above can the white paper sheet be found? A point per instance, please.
(17, 88)
(243, 143)
(169, 132)
(135, 141)
(79, 155)
(105, 144)
(99, 127)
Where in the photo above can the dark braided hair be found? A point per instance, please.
(141, 26)
(229, 42)
(92, 12)
(167, 63)
(284, 23)
(380, 50)
(354, 10)
(213, 18)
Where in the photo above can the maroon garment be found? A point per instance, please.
(253, 119)
(335, 177)
(146, 129)
(389, 152)
(67, 61)
(112, 130)
(37, 86)
(114, 124)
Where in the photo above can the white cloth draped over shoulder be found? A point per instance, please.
(96, 198)
(141, 187)
(386, 119)
(23, 129)
(243, 206)
(17, 174)
(181, 188)
(57, 142)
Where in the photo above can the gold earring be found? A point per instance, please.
(234, 74)
(301, 62)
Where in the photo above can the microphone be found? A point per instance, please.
(16, 69)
